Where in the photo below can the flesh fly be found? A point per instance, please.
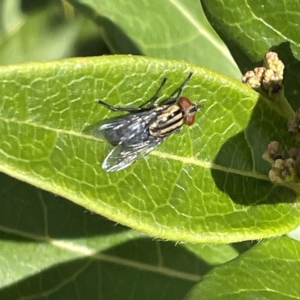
(143, 128)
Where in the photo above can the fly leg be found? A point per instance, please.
(119, 108)
(177, 92)
(150, 103)
(145, 106)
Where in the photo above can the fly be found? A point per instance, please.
(137, 133)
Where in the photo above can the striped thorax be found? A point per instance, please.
(171, 118)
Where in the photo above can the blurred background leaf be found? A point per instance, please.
(166, 29)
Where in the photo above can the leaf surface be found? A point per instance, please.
(207, 183)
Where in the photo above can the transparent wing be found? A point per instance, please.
(124, 154)
(131, 127)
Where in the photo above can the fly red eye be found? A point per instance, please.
(189, 119)
(188, 108)
(184, 103)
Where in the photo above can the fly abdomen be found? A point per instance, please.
(170, 120)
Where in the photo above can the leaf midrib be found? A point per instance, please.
(165, 155)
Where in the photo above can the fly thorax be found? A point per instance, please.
(170, 119)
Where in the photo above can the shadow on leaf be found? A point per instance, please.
(130, 271)
(240, 169)
(114, 36)
(32, 211)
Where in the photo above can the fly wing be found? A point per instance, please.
(133, 127)
(124, 154)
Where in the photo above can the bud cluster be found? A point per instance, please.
(266, 80)
(284, 167)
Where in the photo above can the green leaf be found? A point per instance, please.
(270, 270)
(10, 16)
(206, 184)
(51, 229)
(49, 240)
(39, 36)
(214, 254)
(165, 29)
(255, 28)
(251, 29)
